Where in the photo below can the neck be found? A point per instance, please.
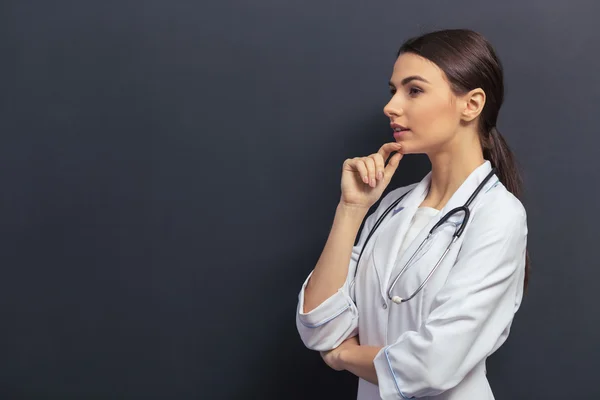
(451, 166)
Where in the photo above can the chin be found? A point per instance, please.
(407, 147)
(414, 145)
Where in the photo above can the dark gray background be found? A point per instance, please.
(170, 171)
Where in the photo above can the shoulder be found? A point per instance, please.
(499, 210)
(496, 233)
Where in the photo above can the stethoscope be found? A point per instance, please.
(457, 233)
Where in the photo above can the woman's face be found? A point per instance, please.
(423, 103)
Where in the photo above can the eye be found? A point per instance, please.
(415, 91)
(392, 91)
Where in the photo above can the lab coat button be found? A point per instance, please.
(384, 306)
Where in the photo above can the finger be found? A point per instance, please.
(371, 170)
(379, 165)
(360, 166)
(388, 148)
(390, 169)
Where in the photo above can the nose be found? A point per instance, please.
(392, 109)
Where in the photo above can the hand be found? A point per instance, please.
(332, 357)
(358, 193)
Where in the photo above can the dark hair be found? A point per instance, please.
(469, 62)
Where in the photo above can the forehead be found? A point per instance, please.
(409, 64)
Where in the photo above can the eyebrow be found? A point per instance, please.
(409, 79)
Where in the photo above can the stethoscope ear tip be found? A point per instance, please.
(397, 299)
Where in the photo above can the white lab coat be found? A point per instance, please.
(435, 345)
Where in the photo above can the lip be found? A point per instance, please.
(402, 131)
(399, 135)
(394, 125)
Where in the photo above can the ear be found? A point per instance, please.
(472, 104)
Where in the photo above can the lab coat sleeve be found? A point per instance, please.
(469, 314)
(336, 318)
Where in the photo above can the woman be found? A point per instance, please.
(447, 89)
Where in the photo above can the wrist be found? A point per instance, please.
(350, 210)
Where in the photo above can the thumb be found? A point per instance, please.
(390, 168)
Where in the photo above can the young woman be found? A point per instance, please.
(414, 314)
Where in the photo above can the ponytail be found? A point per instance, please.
(496, 150)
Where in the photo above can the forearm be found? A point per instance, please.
(359, 361)
(331, 270)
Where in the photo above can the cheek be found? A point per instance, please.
(437, 116)
(433, 123)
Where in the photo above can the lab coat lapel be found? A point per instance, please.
(458, 199)
(389, 240)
